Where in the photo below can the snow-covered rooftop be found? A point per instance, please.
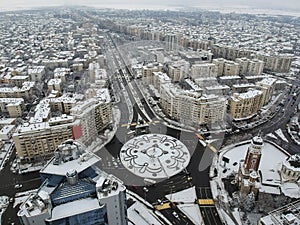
(269, 167)
(70, 155)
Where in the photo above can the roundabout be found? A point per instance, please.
(154, 156)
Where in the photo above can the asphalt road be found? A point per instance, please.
(198, 167)
(199, 154)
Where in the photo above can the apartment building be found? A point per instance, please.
(54, 84)
(250, 67)
(18, 80)
(242, 87)
(191, 106)
(177, 70)
(274, 62)
(62, 104)
(104, 111)
(36, 73)
(196, 57)
(159, 79)
(230, 69)
(92, 116)
(255, 67)
(204, 70)
(279, 63)
(267, 86)
(6, 132)
(220, 62)
(172, 41)
(62, 74)
(35, 142)
(13, 106)
(149, 69)
(26, 91)
(245, 105)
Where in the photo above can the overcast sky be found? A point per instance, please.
(265, 4)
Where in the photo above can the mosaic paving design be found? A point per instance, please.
(155, 156)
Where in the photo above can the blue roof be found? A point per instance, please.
(66, 192)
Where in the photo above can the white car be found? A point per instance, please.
(17, 186)
(175, 214)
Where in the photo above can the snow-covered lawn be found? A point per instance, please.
(270, 162)
(281, 135)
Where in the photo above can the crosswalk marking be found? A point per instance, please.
(206, 201)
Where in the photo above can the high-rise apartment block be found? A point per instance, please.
(250, 67)
(92, 116)
(54, 84)
(159, 79)
(231, 69)
(267, 86)
(274, 62)
(245, 105)
(226, 67)
(149, 69)
(191, 106)
(74, 191)
(279, 63)
(255, 67)
(220, 62)
(171, 42)
(38, 141)
(63, 104)
(62, 74)
(204, 70)
(178, 70)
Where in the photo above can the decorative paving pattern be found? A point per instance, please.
(154, 156)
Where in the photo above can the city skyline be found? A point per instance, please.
(290, 5)
(170, 116)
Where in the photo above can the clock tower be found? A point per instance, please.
(254, 154)
(248, 176)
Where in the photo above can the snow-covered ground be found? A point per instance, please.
(138, 213)
(189, 208)
(271, 159)
(270, 165)
(281, 135)
(144, 210)
(272, 136)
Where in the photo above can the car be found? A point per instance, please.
(17, 186)
(145, 189)
(175, 214)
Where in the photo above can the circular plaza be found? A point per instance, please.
(154, 156)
